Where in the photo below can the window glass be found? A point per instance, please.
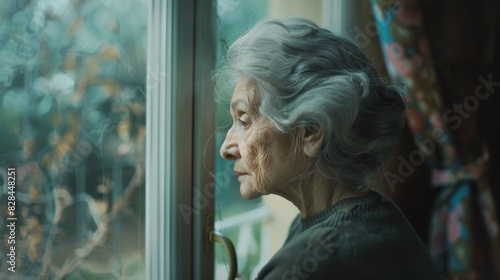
(72, 129)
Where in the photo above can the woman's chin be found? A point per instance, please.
(249, 192)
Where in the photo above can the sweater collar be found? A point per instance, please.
(317, 218)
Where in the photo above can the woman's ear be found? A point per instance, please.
(312, 140)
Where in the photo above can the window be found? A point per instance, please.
(72, 122)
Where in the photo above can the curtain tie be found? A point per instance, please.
(471, 171)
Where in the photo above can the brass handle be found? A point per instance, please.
(229, 248)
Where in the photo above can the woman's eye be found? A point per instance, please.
(243, 123)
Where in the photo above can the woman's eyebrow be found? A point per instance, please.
(238, 103)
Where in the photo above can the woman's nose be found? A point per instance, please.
(229, 149)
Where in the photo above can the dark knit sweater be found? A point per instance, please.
(364, 237)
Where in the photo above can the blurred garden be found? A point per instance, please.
(72, 124)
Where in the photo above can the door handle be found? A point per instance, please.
(217, 237)
(228, 246)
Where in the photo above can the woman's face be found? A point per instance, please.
(266, 160)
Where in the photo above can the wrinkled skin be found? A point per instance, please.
(269, 159)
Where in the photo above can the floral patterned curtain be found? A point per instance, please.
(464, 239)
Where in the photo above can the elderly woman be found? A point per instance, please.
(313, 123)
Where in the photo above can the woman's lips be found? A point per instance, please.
(238, 174)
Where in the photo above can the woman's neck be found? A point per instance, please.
(315, 194)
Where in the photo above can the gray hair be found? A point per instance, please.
(309, 77)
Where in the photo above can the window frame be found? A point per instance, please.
(180, 125)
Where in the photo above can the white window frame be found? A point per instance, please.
(180, 123)
(333, 11)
